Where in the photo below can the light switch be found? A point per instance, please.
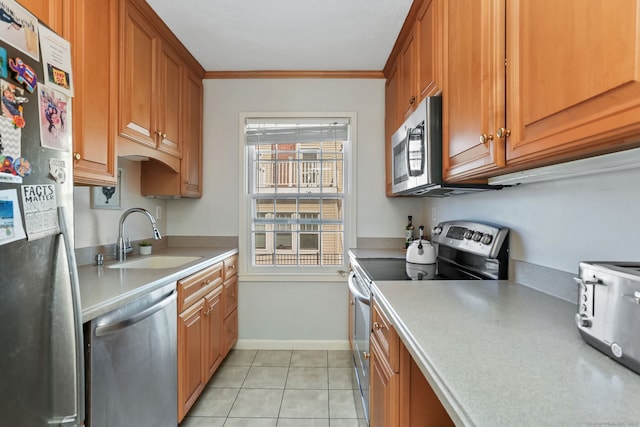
(158, 212)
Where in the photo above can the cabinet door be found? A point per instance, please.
(230, 295)
(51, 12)
(95, 105)
(420, 406)
(427, 29)
(474, 84)
(213, 332)
(169, 101)
(191, 338)
(408, 97)
(383, 391)
(138, 77)
(573, 78)
(192, 140)
(231, 330)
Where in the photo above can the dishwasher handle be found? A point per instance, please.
(109, 328)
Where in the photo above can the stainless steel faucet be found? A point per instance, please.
(124, 247)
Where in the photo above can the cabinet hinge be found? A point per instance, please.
(505, 62)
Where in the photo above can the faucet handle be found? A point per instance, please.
(127, 243)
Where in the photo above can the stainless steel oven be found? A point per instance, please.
(465, 251)
(361, 296)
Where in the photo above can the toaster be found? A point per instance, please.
(608, 316)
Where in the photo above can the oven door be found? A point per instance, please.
(362, 319)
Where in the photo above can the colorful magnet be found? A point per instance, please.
(4, 70)
(6, 165)
(22, 167)
(24, 74)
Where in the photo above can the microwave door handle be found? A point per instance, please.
(407, 145)
(423, 145)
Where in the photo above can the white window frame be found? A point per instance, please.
(249, 272)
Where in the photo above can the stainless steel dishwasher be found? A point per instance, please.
(131, 363)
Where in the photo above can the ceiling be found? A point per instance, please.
(250, 35)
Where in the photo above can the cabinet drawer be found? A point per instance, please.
(230, 330)
(230, 266)
(386, 337)
(230, 297)
(193, 287)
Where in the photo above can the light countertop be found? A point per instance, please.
(103, 289)
(500, 354)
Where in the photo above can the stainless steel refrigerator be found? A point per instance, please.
(41, 348)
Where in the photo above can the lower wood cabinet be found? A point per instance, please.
(207, 327)
(399, 394)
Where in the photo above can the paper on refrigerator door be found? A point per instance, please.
(40, 210)
(11, 228)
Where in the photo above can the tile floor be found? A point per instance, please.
(280, 388)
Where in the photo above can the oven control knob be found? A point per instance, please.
(582, 320)
(468, 234)
(486, 239)
(437, 230)
(476, 236)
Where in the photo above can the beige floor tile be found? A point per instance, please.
(273, 358)
(266, 377)
(307, 378)
(309, 358)
(251, 422)
(305, 404)
(257, 403)
(240, 358)
(202, 422)
(214, 402)
(340, 359)
(229, 376)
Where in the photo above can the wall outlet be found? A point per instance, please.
(434, 215)
(158, 212)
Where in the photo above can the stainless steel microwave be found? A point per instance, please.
(416, 149)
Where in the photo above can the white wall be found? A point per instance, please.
(290, 311)
(558, 224)
(96, 227)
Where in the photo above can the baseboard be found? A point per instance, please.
(291, 345)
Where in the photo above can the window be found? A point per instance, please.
(296, 171)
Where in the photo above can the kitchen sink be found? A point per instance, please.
(156, 262)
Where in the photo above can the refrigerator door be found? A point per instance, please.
(39, 357)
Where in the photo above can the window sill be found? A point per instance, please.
(293, 277)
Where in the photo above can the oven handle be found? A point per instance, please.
(353, 288)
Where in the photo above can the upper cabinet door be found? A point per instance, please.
(428, 30)
(573, 78)
(169, 101)
(138, 77)
(95, 104)
(191, 165)
(51, 12)
(474, 85)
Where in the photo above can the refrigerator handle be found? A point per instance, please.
(77, 314)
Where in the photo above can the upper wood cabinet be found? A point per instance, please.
(473, 92)
(160, 104)
(428, 32)
(51, 12)
(417, 59)
(95, 102)
(139, 77)
(573, 79)
(567, 88)
(159, 180)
